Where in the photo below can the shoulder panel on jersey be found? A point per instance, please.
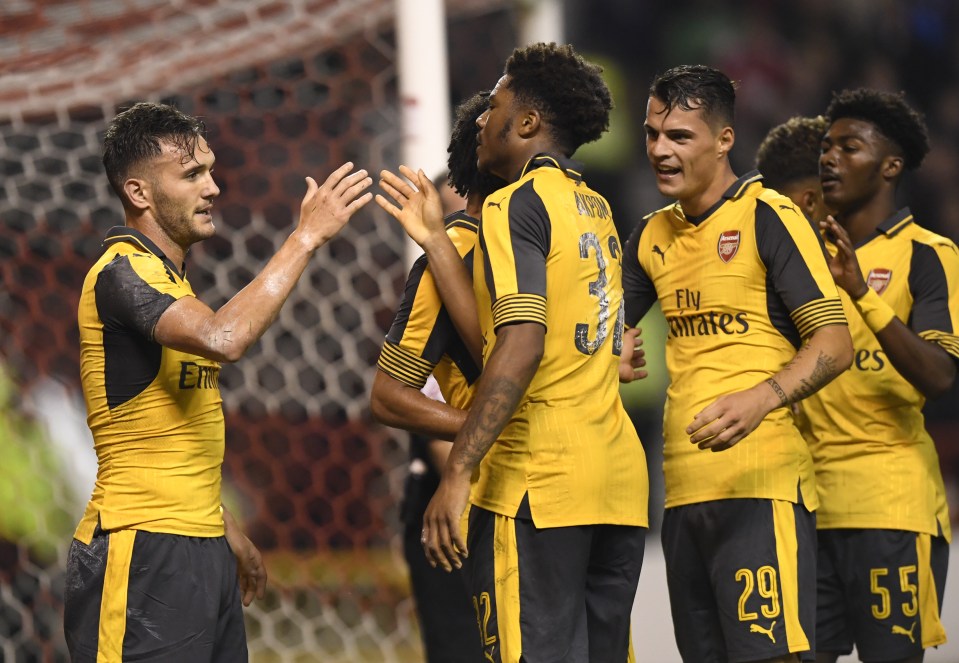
(395, 334)
(124, 298)
(639, 292)
(929, 287)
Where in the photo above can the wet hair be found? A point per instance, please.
(133, 139)
(790, 152)
(567, 90)
(464, 175)
(891, 114)
(696, 86)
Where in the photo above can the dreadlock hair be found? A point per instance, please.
(464, 176)
(889, 112)
(696, 86)
(790, 152)
(133, 138)
(567, 90)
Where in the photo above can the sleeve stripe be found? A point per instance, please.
(404, 366)
(519, 308)
(947, 342)
(816, 314)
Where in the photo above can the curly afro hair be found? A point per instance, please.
(464, 175)
(566, 89)
(790, 152)
(891, 114)
(696, 86)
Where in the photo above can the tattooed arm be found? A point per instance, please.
(732, 417)
(505, 378)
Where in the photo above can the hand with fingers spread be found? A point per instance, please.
(417, 207)
(633, 357)
(844, 266)
(725, 422)
(442, 539)
(326, 208)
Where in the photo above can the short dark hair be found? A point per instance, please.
(565, 88)
(134, 135)
(464, 175)
(891, 114)
(696, 86)
(790, 152)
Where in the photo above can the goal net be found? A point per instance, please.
(287, 89)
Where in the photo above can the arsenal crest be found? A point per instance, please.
(728, 245)
(878, 279)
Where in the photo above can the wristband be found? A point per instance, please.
(876, 313)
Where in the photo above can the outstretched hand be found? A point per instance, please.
(326, 209)
(418, 207)
(844, 266)
(632, 358)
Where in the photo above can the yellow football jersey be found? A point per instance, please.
(876, 466)
(422, 339)
(740, 287)
(155, 413)
(548, 253)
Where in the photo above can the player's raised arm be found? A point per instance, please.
(419, 210)
(225, 335)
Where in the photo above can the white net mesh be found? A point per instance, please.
(286, 89)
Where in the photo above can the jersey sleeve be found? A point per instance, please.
(422, 330)
(516, 242)
(934, 284)
(795, 260)
(134, 290)
(639, 293)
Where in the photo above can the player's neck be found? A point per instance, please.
(700, 202)
(147, 225)
(862, 221)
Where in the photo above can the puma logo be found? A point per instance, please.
(898, 630)
(789, 207)
(496, 205)
(661, 252)
(756, 628)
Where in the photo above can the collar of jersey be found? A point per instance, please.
(460, 219)
(736, 190)
(133, 236)
(896, 222)
(573, 169)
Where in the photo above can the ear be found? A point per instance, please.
(808, 203)
(892, 167)
(138, 193)
(530, 121)
(725, 140)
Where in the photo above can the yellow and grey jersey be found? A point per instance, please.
(548, 254)
(155, 413)
(423, 339)
(741, 287)
(876, 466)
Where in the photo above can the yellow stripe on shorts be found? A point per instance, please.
(787, 554)
(506, 577)
(113, 602)
(933, 633)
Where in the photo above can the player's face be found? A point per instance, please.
(686, 153)
(182, 192)
(493, 149)
(851, 164)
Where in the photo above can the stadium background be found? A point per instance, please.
(295, 87)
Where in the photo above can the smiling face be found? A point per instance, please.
(854, 157)
(181, 191)
(688, 156)
(496, 147)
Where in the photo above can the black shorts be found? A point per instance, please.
(143, 596)
(561, 594)
(880, 590)
(741, 575)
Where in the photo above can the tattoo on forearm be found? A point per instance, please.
(822, 373)
(783, 399)
(490, 417)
